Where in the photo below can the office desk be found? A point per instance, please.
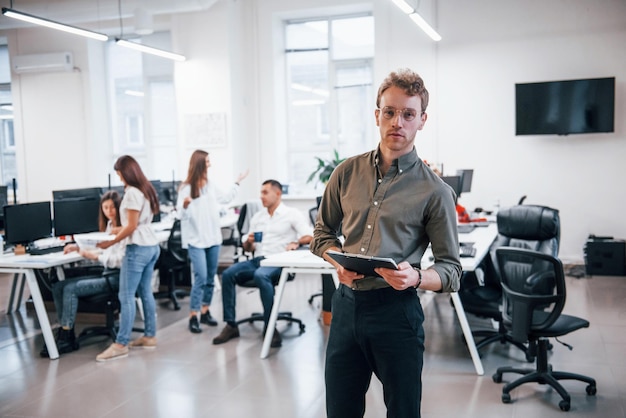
(27, 264)
(482, 237)
(299, 261)
(305, 262)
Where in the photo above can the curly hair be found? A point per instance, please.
(410, 82)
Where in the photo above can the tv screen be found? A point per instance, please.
(75, 216)
(565, 107)
(27, 222)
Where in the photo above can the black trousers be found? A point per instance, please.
(381, 332)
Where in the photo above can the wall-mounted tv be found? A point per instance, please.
(565, 107)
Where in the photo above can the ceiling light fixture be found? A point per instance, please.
(418, 19)
(150, 50)
(140, 47)
(25, 17)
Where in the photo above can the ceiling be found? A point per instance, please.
(90, 13)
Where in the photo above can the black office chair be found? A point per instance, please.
(174, 267)
(523, 226)
(111, 305)
(534, 296)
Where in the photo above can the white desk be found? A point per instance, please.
(482, 237)
(305, 262)
(299, 261)
(26, 265)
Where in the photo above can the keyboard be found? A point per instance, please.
(467, 250)
(45, 250)
(465, 228)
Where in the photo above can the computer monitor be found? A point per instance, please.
(27, 222)
(454, 182)
(75, 216)
(89, 192)
(169, 192)
(466, 179)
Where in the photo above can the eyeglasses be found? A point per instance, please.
(407, 114)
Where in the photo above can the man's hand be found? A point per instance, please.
(400, 279)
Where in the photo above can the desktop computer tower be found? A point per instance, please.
(605, 256)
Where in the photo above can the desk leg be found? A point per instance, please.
(467, 332)
(16, 282)
(269, 333)
(42, 315)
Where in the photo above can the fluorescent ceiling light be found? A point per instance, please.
(419, 20)
(25, 17)
(404, 6)
(150, 50)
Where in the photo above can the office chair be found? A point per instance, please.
(534, 296)
(173, 265)
(312, 217)
(523, 226)
(110, 301)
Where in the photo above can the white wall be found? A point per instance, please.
(234, 65)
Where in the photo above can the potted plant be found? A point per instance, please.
(325, 168)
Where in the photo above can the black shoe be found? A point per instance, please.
(277, 341)
(207, 319)
(194, 326)
(65, 341)
(227, 334)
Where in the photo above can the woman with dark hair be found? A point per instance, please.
(198, 208)
(139, 205)
(66, 292)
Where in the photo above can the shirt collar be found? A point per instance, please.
(404, 162)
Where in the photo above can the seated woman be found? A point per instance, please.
(67, 292)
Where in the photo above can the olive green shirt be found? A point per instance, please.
(394, 216)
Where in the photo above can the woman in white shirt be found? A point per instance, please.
(66, 292)
(199, 211)
(139, 205)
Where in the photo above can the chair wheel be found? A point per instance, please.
(497, 377)
(591, 390)
(564, 405)
(506, 398)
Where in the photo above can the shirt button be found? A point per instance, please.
(369, 227)
(375, 203)
(362, 250)
(380, 180)
(400, 171)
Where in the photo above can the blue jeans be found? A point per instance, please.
(204, 262)
(381, 332)
(241, 272)
(136, 278)
(67, 292)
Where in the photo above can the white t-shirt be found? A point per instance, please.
(285, 226)
(135, 200)
(200, 222)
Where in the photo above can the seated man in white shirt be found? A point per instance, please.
(283, 229)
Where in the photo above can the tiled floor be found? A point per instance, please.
(187, 376)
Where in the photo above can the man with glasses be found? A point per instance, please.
(388, 203)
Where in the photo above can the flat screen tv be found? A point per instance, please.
(565, 107)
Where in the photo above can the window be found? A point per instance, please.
(8, 164)
(329, 92)
(143, 106)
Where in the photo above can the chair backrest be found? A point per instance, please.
(529, 227)
(246, 212)
(533, 286)
(175, 243)
(313, 215)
